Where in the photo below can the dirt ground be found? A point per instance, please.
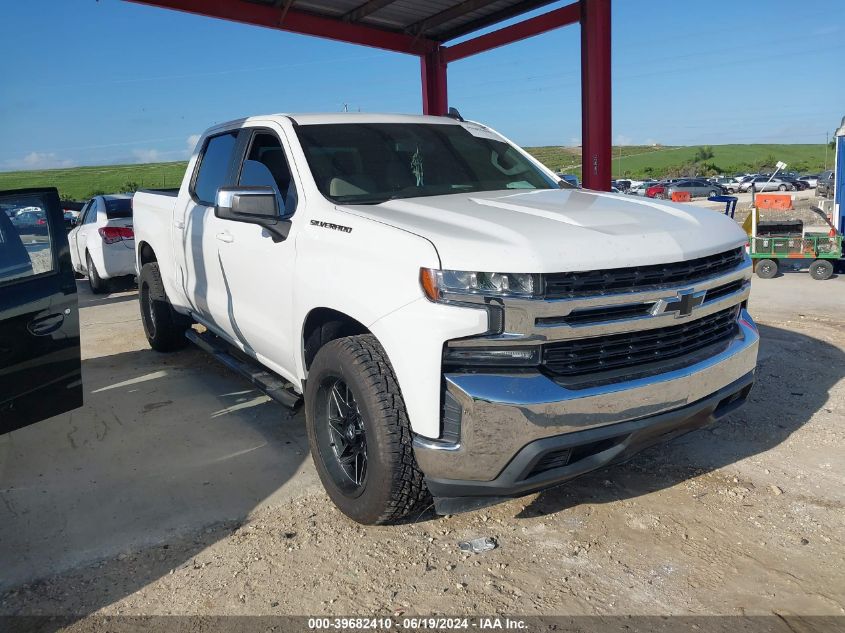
(742, 518)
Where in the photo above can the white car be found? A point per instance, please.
(102, 244)
(639, 189)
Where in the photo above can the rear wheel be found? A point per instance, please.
(98, 284)
(359, 433)
(766, 268)
(821, 269)
(164, 327)
(660, 196)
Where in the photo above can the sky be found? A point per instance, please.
(88, 82)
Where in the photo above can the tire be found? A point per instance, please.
(766, 268)
(98, 284)
(713, 194)
(660, 196)
(782, 188)
(163, 326)
(821, 269)
(389, 485)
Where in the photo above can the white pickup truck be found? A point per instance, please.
(462, 327)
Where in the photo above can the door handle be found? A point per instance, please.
(225, 237)
(45, 325)
(179, 224)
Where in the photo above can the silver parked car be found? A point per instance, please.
(695, 187)
(762, 183)
(811, 179)
(728, 185)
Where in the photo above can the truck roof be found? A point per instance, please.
(368, 117)
(342, 117)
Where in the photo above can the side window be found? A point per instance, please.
(266, 166)
(25, 241)
(216, 159)
(91, 216)
(83, 212)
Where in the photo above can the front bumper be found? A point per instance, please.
(510, 422)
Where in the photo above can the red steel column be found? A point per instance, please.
(434, 84)
(595, 95)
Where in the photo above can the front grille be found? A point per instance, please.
(725, 289)
(619, 351)
(575, 284)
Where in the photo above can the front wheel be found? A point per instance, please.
(713, 194)
(660, 196)
(359, 433)
(766, 268)
(821, 269)
(782, 188)
(164, 327)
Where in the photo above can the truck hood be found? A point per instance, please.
(556, 230)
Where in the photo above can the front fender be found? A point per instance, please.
(371, 274)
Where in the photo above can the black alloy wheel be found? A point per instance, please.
(344, 430)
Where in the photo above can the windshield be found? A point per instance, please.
(373, 163)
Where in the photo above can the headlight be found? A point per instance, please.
(437, 282)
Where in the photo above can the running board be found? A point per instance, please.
(278, 389)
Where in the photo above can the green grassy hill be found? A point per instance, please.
(664, 161)
(79, 183)
(641, 161)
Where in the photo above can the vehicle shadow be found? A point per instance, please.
(782, 401)
(86, 300)
(164, 448)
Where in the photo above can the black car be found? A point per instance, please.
(40, 367)
(800, 185)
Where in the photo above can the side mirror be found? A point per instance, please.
(253, 205)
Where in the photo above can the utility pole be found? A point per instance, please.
(826, 143)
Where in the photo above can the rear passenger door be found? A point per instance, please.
(203, 280)
(40, 367)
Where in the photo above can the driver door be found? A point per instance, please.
(40, 359)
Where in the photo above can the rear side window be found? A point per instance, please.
(214, 167)
(118, 208)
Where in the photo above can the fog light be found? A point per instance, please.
(492, 357)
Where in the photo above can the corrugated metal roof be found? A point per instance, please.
(438, 20)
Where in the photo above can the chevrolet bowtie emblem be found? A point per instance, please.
(682, 305)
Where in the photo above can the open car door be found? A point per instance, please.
(40, 365)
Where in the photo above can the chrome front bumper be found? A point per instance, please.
(503, 413)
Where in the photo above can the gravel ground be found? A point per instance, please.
(742, 518)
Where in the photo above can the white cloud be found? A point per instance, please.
(147, 156)
(621, 139)
(39, 160)
(192, 141)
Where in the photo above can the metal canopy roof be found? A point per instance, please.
(437, 20)
(424, 27)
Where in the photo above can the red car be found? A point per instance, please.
(656, 191)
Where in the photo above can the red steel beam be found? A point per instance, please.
(298, 22)
(570, 14)
(596, 120)
(434, 84)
